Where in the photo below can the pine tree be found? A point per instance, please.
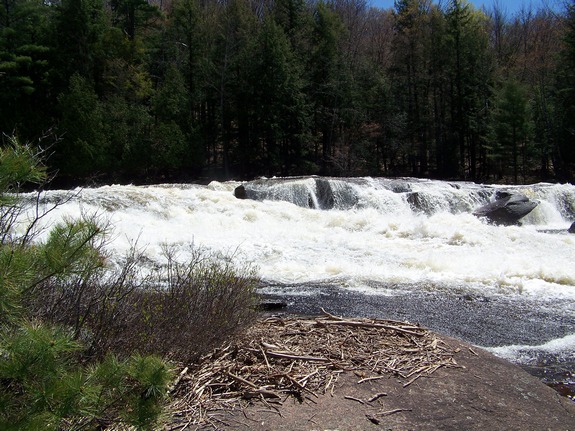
(328, 82)
(24, 66)
(83, 150)
(412, 26)
(280, 111)
(44, 382)
(564, 151)
(512, 130)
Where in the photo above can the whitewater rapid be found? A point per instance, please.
(378, 244)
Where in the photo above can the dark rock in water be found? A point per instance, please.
(324, 194)
(502, 194)
(399, 186)
(417, 202)
(572, 228)
(271, 304)
(308, 192)
(240, 192)
(507, 209)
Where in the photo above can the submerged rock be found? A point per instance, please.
(308, 192)
(507, 209)
(240, 192)
(271, 304)
(324, 194)
(417, 202)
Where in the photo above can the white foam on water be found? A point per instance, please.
(380, 240)
(379, 246)
(562, 348)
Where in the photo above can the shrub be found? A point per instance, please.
(44, 387)
(81, 341)
(181, 310)
(44, 380)
(192, 306)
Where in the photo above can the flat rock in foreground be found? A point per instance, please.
(480, 392)
(488, 394)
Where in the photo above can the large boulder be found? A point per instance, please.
(507, 209)
(572, 228)
(308, 192)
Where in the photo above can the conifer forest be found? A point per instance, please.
(183, 90)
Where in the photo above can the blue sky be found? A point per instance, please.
(512, 6)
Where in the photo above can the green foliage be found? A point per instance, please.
(33, 369)
(63, 310)
(19, 164)
(77, 36)
(71, 249)
(44, 382)
(150, 378)
(143, 91)
(564, 151)
(129, 140)
(24, 65)
(132, 15)
(279, 105)
(44, 387)
(169, 105)
(512, 130)
(83, 149)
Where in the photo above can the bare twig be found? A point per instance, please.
(347, 397)
(294, 357)
(392, 412)
(306, 356)
(376, 397)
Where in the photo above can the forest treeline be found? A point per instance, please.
(164, 90)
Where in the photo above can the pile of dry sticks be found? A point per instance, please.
(282, 357)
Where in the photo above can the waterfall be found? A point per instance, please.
(418, 196)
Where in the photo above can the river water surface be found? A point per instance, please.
(402, 248)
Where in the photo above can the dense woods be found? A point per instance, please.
(161, 90)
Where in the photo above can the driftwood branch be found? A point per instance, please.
(294, 357)
(376, 397)
(347, 397)
(241, 380)
(392, 412)
(372, 325)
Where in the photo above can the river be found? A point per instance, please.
(392, 248)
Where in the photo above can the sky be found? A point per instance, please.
(511, 6)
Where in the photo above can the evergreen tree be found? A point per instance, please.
(279, 106)
(83, 150)
(294, 19)
(241, 88)
(470, 76)
(79, 26)
(512, 130)
(134, 15)
(24, 67)
(328, 82)
(44, 381)
(409, 72)
(235, 52)
(170, 108)
(564, 151)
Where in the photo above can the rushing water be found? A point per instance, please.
(394, 248)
